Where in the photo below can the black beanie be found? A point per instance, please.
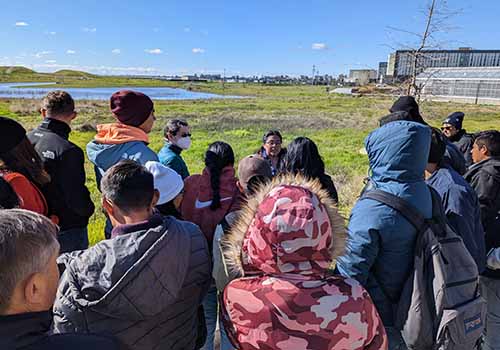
(408, 104)
(455, 119)
(12, 133)
(438, 147)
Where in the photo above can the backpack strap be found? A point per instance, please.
(406, 209)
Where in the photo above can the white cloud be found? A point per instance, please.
(42, 53)
(50, 61)
(198, 50)
(116, 51)
(21, 24)
(154, 51)
(187, 30)
(51, 33)
(319, 46)
(89, 30)
(70, 52)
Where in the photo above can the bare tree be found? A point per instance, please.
(437, 17)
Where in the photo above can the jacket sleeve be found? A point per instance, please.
(487, 188)
(68, 318)
(361, 250)
(75, 193)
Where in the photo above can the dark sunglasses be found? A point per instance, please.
(185, 135)
(446, 128)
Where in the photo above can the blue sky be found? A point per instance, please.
(207, 36)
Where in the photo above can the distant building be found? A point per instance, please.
(402, 65)
(461, 84)
(382, 71)
(362, 76)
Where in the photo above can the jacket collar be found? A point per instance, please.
(174, 148)
(154, 221)
(56, 126)
(25, 329)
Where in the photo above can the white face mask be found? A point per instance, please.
(184, 142)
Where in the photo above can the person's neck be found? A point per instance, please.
(430, 169)
(61, 119)
(136, 217)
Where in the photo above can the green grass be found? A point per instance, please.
(338, 124)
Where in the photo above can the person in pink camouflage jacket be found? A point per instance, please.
(287, 298)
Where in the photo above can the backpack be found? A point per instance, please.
(439, 306)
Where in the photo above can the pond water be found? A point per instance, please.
(16, 90)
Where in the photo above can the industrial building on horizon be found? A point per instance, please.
(400, 63)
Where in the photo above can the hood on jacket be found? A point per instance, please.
(289, 226)
(131, 277)
(117, 133)
(398, 151)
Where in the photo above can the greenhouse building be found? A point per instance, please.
(466, 84)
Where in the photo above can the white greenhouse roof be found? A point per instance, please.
(461, 73)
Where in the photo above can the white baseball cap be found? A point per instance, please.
(166, 181)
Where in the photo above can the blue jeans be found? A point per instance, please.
(73, 239)
(396, 341)
(490, 291)
(210, 306)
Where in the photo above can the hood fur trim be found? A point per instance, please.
(232, 242)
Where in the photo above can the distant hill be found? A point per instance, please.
(73, 73)
(16, 70)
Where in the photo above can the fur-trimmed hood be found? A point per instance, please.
(290, 226)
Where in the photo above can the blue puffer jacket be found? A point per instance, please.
(381, 241)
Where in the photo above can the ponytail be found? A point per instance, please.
(218, 156)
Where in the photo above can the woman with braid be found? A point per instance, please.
(208, 197)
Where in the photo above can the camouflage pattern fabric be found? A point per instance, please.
(287, 299)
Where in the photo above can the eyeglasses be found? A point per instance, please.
(446, 128)
(186, 135)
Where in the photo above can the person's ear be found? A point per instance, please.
(43, 112)
(156, 197)
(108, 206)
(34, 291)
(240, 187)
(484, 151)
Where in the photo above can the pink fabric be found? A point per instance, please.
(289, 301)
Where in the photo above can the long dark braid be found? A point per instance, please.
(218, 156)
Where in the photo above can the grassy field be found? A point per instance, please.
(338, 124)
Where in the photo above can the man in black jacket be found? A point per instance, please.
(452, 129)
(484, 176)
(64, 161)
(28, 286)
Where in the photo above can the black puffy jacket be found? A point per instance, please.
(31, 331)
(484, 178)
(143, 287)
(67, 195)
(464, 142)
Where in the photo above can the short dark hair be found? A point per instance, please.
(438, 147)
(128, 185)
(58, 103)
(271, 133)
(173, 126)
(27, 241)
(491, 140)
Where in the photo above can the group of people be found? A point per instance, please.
(254, 252)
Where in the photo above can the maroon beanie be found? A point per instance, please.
(131, 107)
